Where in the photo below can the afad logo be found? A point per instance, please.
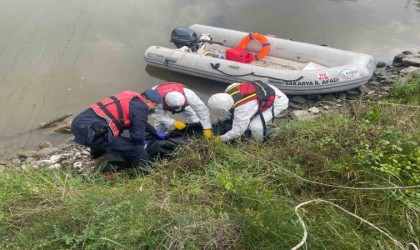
(348, 73)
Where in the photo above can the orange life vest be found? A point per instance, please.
(248, 91)
(167, 87)
(115, 110)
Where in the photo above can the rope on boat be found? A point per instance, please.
(217, 65)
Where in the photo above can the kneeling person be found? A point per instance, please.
(100, 126)
(252, 105)
(177, 98)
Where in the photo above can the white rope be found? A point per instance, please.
(397, 104)
(305, 233)
(378, 102)
(331, 185)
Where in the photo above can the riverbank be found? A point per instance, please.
(309, 107)
(343, 177)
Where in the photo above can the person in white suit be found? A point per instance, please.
(177, 98)
(252, 104)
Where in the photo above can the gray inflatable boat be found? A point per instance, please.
(233, 56)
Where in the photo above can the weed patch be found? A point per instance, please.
(213, 195)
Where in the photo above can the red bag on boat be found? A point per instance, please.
(239, 55)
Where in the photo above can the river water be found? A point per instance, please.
(59, 56)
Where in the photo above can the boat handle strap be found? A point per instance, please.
(217, 65)
(170, 59)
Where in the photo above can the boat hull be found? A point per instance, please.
(307, 69)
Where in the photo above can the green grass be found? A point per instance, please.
(407, 92)
(218, 196)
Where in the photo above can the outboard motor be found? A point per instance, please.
(185, 37)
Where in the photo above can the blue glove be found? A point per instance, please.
(160, 135)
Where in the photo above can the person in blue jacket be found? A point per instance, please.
(100, 126)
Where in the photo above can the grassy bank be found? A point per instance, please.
(218, 196)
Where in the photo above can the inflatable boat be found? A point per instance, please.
(233, 56)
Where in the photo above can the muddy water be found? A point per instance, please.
(59, 56)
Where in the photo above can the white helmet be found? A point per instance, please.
(175, 99)
(221, 101)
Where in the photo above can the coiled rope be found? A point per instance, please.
(305, 232)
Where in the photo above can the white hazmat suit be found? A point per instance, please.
(244, 115)
(195, 111)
